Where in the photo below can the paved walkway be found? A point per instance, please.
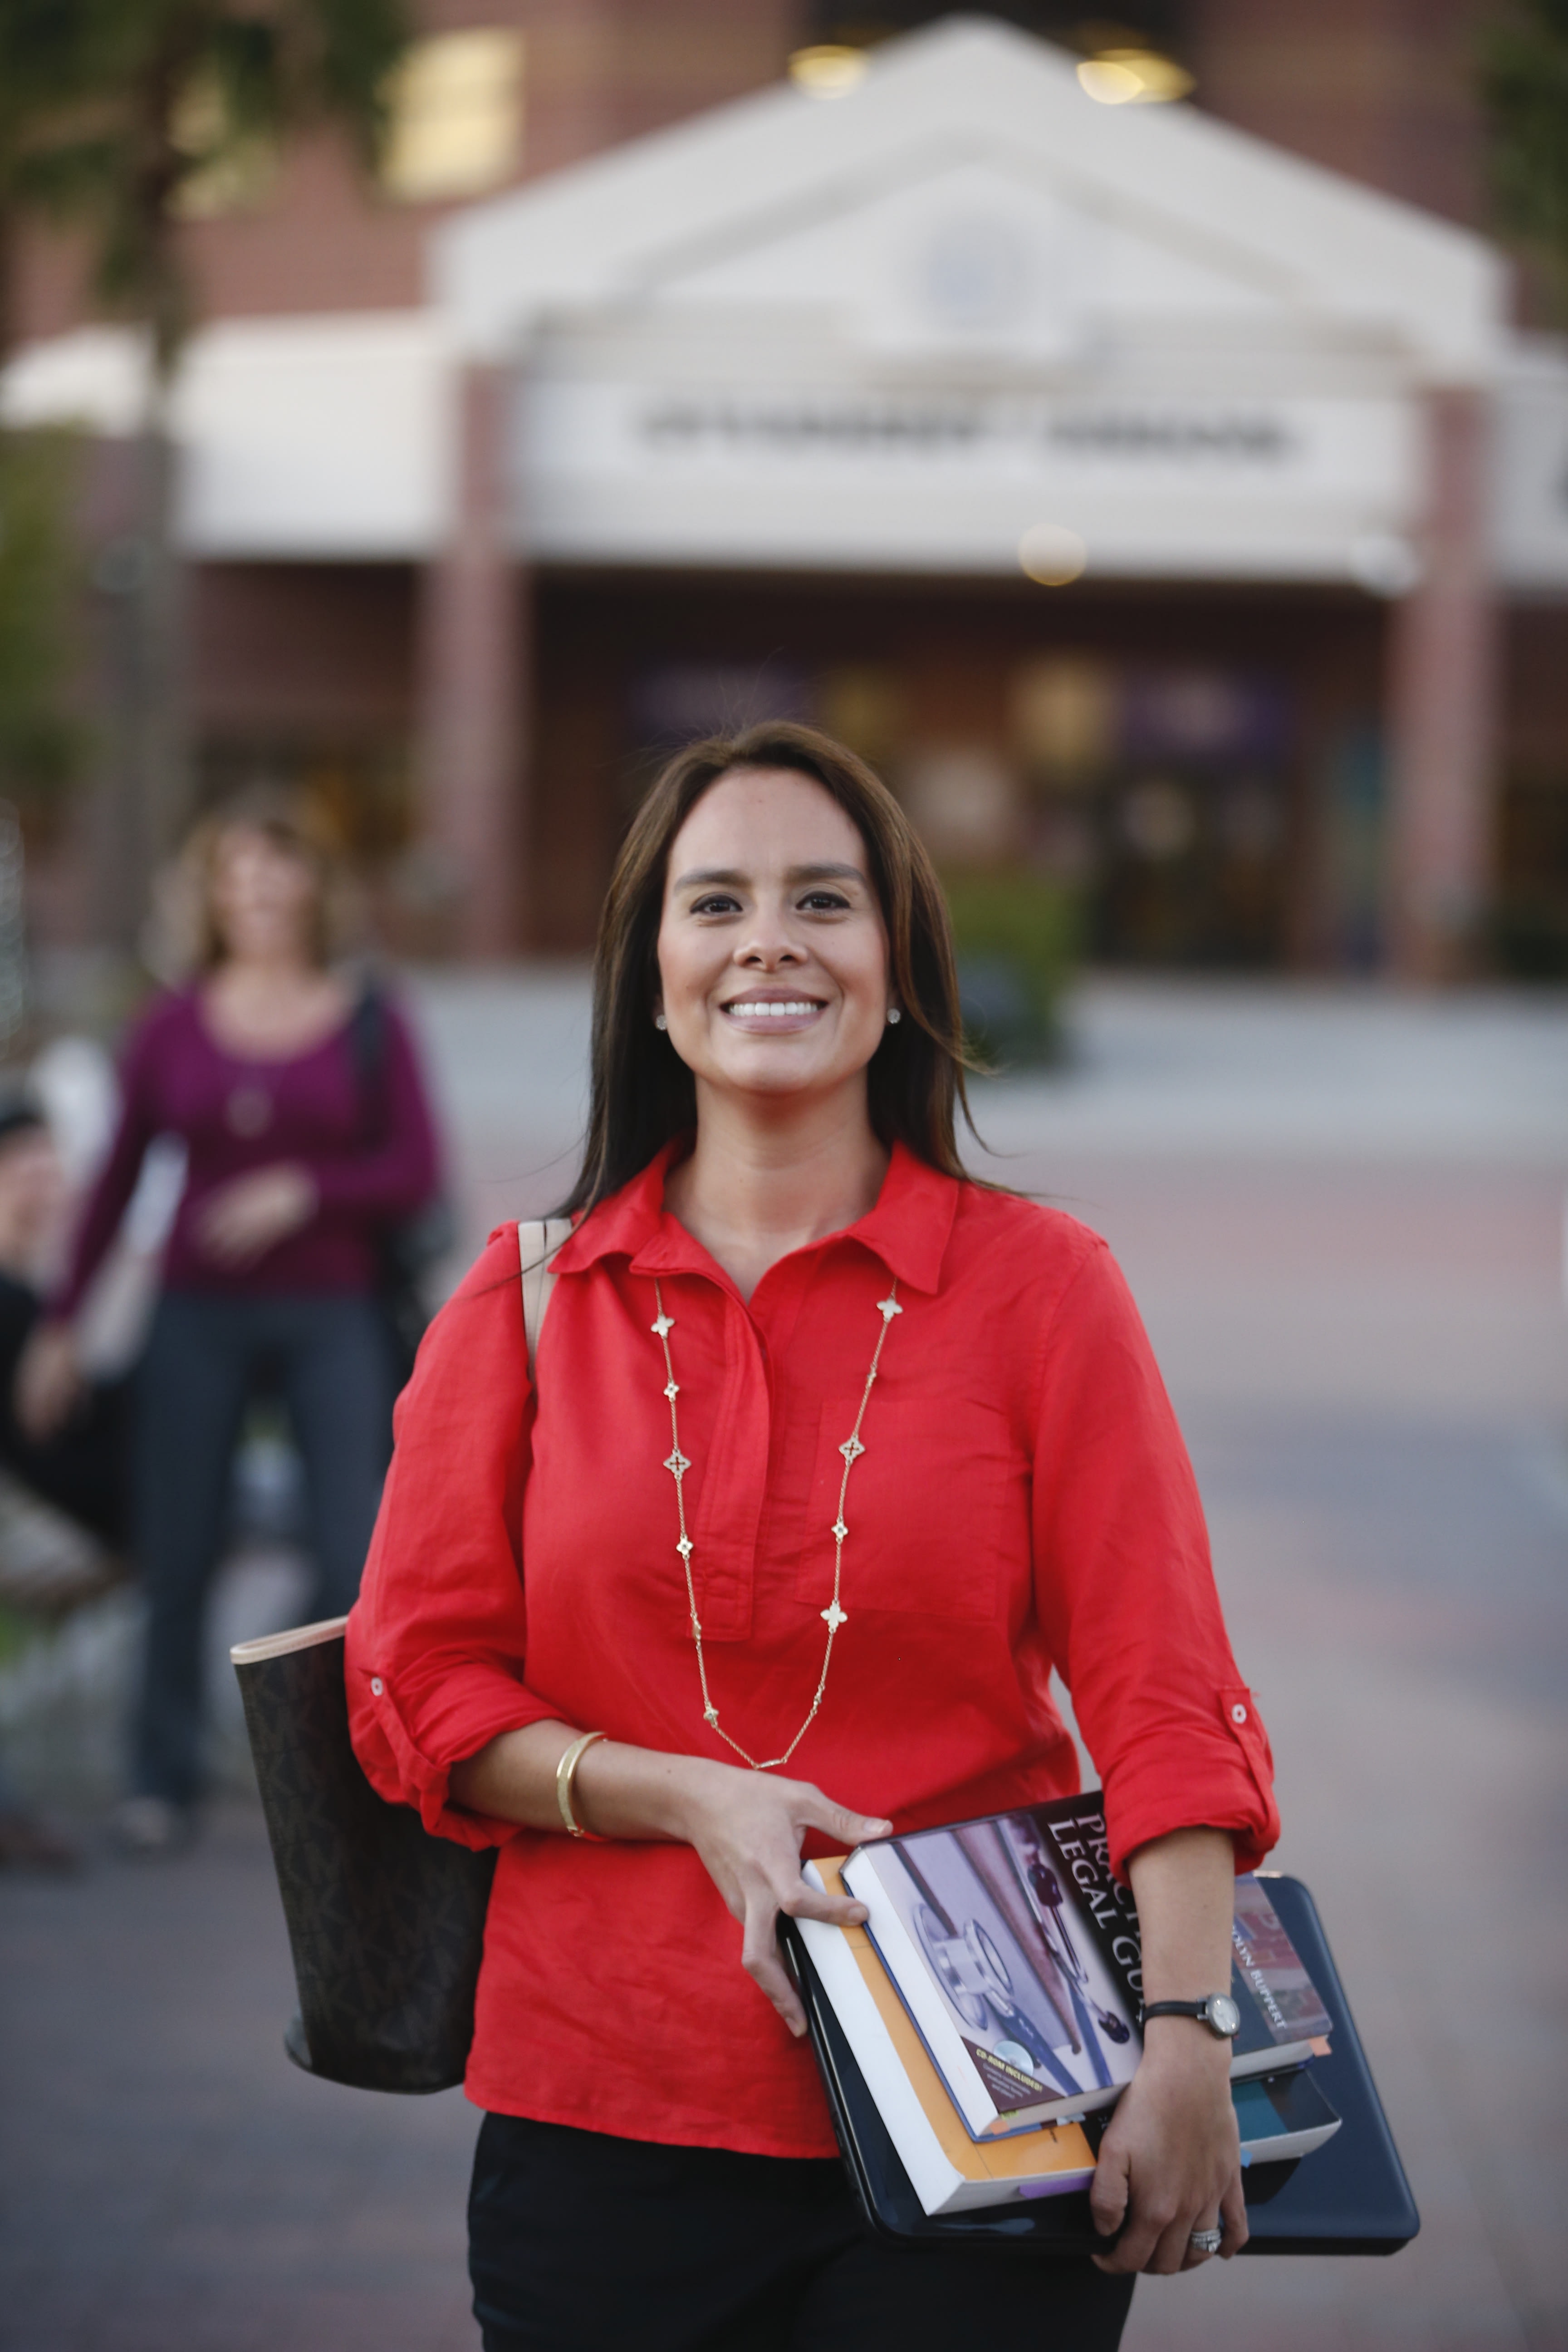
(1343, 1218)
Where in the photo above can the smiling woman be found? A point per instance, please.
(831, 1453)
(775, 992)
(857, 865)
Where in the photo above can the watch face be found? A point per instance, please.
(1224, 2015)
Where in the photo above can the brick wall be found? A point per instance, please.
(596, 72)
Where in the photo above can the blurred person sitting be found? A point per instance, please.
(308, 1140)
(81, 1467)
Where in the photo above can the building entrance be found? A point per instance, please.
(1171, 759)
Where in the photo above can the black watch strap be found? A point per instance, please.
(1204, 2010)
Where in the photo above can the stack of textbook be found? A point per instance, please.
(993, 2002)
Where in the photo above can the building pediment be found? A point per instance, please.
(968, 197)
(960, 261)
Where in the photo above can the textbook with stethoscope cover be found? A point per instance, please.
(1016, 1954)
(992, 2004)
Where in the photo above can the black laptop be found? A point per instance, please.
(1350, 2197)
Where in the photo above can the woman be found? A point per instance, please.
(301, 1147)
(649, 1544)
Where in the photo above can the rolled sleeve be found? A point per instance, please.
(1125, 1588)
(437, 1643)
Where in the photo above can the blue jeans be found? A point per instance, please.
(328, 1358)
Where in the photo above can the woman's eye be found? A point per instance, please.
(719, 903)
(825, 902)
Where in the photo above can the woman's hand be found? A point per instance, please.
(747, 1828)
(242, 1219)
(49, 1384)
(1170, 2162)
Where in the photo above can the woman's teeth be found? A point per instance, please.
(794, 1010)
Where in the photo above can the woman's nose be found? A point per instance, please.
(769, 942)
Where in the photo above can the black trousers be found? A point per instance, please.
(578, 2243)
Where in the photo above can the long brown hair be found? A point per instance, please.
(642, 1094)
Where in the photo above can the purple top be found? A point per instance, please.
(365, 1137)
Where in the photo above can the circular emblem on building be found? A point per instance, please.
(975, 274)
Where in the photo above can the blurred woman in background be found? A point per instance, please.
(300, 1106)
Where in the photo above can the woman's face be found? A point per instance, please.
(772, 954)
(263, 897)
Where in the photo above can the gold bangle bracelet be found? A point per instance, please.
(565, 1772)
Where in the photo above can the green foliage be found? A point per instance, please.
(41, 742)
(116, 110)
(16, 1635)
(42, 76)
(43, 65)
(1524, 88)
(1016, 934)
(1530, 937)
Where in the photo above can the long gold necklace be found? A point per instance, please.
(677, 1466)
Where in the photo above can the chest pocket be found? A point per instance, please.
(926, 1508)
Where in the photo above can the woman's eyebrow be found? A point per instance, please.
(729, 878)
(709, 877)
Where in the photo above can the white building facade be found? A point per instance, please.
(1072, 455)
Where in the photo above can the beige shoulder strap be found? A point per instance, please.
(538, 1239)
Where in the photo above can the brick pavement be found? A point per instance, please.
(1366, 1343)
(169, 2182)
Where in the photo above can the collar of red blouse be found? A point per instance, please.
(907, 1229)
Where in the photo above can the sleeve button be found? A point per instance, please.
(1238, 1713)
(377, 1686)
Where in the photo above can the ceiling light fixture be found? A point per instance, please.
(1052, 554)
(1133, 77)
(831, 69)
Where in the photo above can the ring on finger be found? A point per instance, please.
(1205, 2241)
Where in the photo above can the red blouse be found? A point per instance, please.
(1024, 1500)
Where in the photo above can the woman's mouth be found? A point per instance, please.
(771, 1013)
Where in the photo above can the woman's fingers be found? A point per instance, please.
(760, 1953)
(838, 1822)
(747, 1828)
(761, 1960)
(1158, 2239)
(1108, 2197)
(803, 1901)
(1143, 2229)
(250, 1213)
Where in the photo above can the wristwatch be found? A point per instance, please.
(1218, 2012)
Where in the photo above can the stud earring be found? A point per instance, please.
(659, 1021)
(893, 1015)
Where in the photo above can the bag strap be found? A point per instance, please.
(367, 1051)
(538, 1239)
